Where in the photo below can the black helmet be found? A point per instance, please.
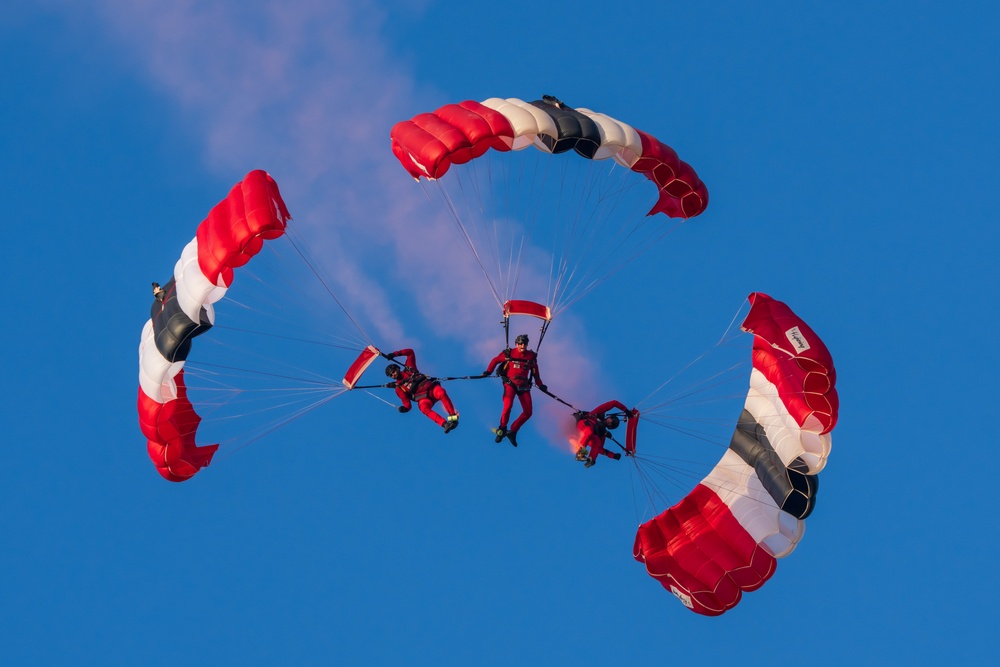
(391, 370)
(611, 421)
(521, 338)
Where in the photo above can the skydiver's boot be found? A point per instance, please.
(617, 456)
(500, 432)
(589, 462)
(450, 424)
(581, 454)
(512, 436)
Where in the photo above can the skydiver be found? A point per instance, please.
(158, 292)
(412, 385)
(592, 430)
(517, 367)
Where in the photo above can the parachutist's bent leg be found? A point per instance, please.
(440, 394)
(525, 400)
(508, 403)
(426, 407)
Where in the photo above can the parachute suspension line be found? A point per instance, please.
(658, 474)
(287, 420)
(508, 269)
(605, 198)
(532, 207)
(586, 287)
(633, 479)
(561, 252)
(564, 240)
(221, 393)
(726, 336)
(669, 380)
(289, 234)
(541, 333)
(319, 383)
(282, 404)
(377, 397)
(732, 331)
(512, 181)
(346, 345)
(722, 378)
(457, 219)
(262, 354)
(272, 305)
(598, 194)
(642, 474)
(653, 495)
(686, 431)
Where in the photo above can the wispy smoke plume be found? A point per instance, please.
(308, 91)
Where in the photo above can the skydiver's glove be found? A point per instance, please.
(579, 414)
(543, 388)
(484, 374)
(403, 408)
(390, 357)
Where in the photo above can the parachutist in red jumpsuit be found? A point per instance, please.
(518, 367)
(592, 430)
(412, 385)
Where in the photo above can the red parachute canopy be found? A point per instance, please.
(233, 232)
(724, 537)
(360, 365)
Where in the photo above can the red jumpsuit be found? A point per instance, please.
(521, 367)
(413, 385)
(592, 432)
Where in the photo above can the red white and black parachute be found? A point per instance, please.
(233, 232)
(576, 208)
(725, 536)
(429, 143)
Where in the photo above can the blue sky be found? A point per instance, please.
(850, 153)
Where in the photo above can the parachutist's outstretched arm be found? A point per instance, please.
(604, 407)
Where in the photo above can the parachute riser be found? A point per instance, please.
(541, 332)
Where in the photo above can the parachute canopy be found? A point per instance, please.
(233, 232)
(723, 538)
(577, 208)
(429, 143)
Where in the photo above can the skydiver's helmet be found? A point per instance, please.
(611, 422)
(522, 338)
(392, 370)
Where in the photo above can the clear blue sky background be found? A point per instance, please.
(851, 154)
